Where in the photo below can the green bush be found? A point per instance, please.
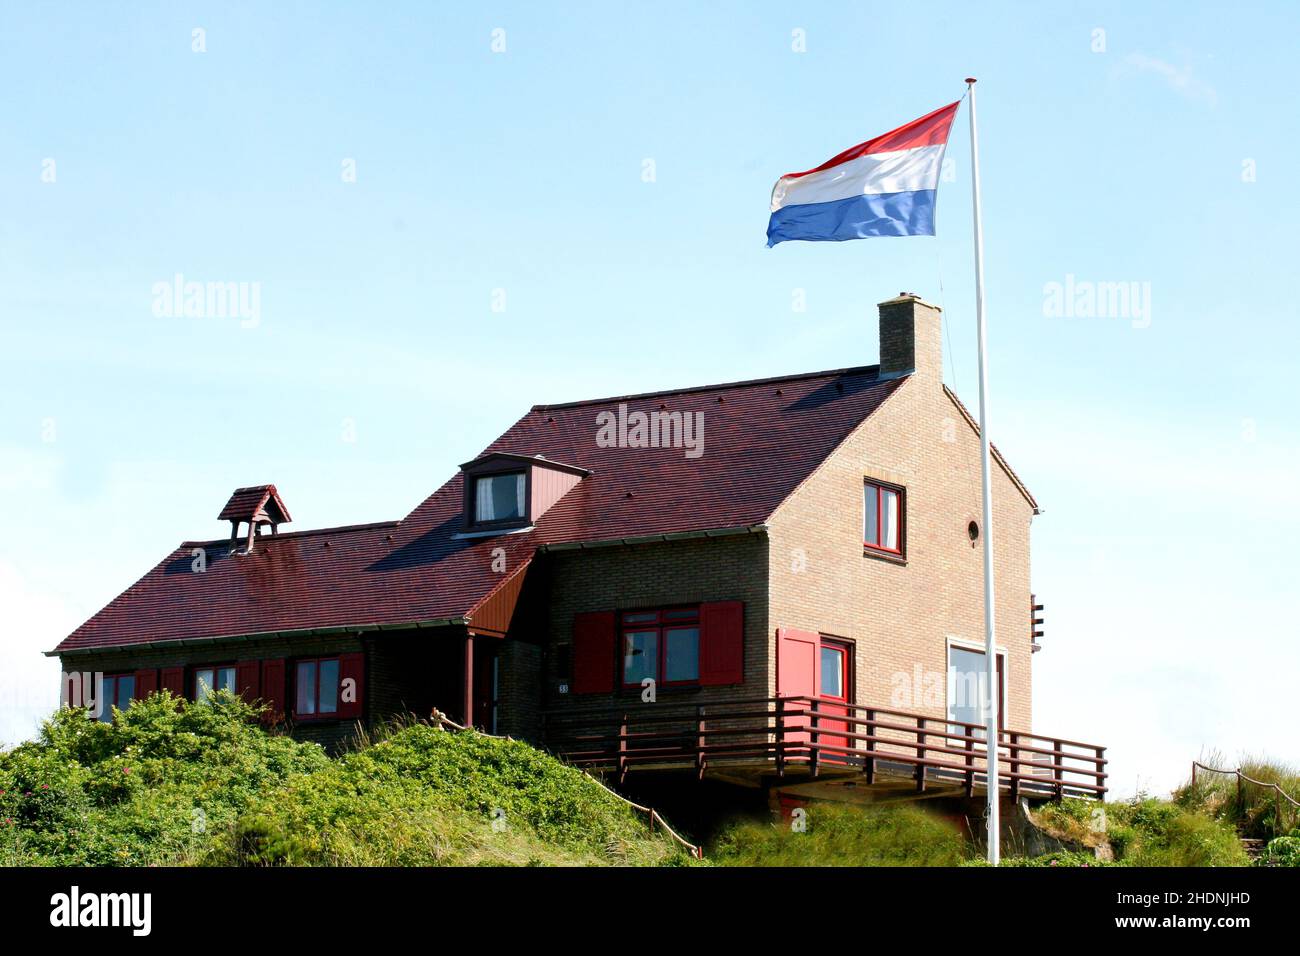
(845, 835)
(425, 796)
(171, 782)
(151, 787)
(1283, 851)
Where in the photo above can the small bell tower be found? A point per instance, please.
(257, 505)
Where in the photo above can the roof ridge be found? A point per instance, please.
(855, 369)
(1006, 465)
(304, 533)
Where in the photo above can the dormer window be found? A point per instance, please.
(508, 492)
(500, 498)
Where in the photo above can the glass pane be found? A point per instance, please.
(108, 696)
(329, 687)
(640, 656)
(226, 679)
(966, 682)
(832, 663)
(125, 691)
(871, 505)
(681, 614)
(682, 654)
(499, 497)
(889, 519)
(202, 683)
(640, 617)
(306, 683)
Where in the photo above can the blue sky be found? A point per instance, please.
(1161, 151)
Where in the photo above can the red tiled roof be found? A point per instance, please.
(761, 439)
(250, 503)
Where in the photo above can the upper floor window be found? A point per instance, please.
(500, 497)
(661, 645)
(316, 688)
(118, 691)
(882, 523)
(208, 679)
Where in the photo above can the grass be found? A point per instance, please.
(1256, 811)
(845, 835)
(1147, 832)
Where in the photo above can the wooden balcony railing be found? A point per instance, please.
(815, 735)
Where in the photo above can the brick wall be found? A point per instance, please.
(646, 576)
(899, 615)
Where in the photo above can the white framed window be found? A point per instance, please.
(967, 683)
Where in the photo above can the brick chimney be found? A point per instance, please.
(910, 337)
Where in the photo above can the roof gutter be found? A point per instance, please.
(265, 635)
(653, 538)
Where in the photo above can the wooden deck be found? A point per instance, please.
(799, 739)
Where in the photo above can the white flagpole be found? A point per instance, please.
(990, 648)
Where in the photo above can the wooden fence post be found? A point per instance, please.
(970, 760)
(1058, 768)
(780, 736)
(869, 766)
(700, 741)
(920, 753)
(622, 749)
(814, 737)
(1013, 742)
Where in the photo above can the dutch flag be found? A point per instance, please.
(883, 187)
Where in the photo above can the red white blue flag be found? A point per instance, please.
(883, 187)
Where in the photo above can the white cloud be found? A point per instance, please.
(1179, 79)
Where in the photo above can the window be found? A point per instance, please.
(967, 681)
(118, 691)
(661, 645)
(882, 523)
(208, 679)
(833, 672)
(500, 498)
(316, 687)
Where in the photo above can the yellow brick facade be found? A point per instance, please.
(901, 614)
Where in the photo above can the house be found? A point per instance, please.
(774, 582)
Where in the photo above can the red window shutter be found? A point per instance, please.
(248, 679)
(146, 682)
(352, 667)
(173, 679)
(593, 653)
(273, 690)
(722, 643)
(71, 690)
